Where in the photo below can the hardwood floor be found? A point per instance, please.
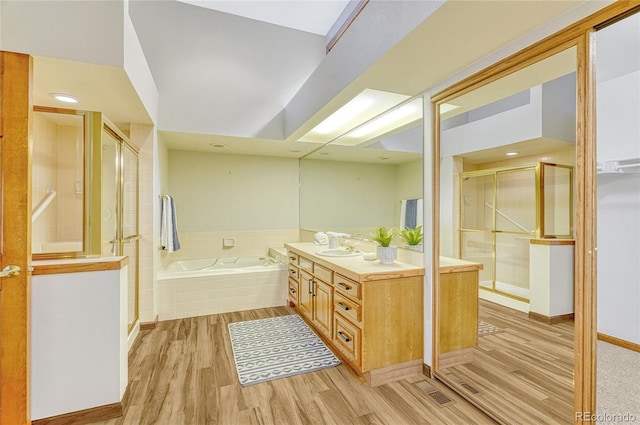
(523, 375)
(183, 372)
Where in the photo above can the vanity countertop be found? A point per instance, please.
(356, 268)
(455, 265)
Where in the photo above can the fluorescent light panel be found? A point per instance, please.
(391, 120)
(362, 108)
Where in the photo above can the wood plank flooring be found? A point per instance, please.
(523, 375)
(183, 373)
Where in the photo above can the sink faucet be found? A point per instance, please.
(334, 238)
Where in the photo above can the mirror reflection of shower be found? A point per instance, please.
(58, 181)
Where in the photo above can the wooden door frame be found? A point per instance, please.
(580, 35)
(16, 122)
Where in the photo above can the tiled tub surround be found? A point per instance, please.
(221, 291)
(247, 243)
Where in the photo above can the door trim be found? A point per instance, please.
(16, 72)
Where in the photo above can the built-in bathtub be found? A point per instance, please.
(202, 286)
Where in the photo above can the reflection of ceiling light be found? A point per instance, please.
(513, 153)
(362, 108)
(447, 107)
(392, 118)
(61, 97)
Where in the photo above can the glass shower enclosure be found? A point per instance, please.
(502, 209)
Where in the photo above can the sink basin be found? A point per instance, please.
(337, 252)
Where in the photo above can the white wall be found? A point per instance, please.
(618, 209)
(380, 25)
(78, 341)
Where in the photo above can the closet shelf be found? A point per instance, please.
(624, 166)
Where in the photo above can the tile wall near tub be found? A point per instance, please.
(247, 243)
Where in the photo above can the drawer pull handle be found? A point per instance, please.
(292, 291)
(292, 258)
(342, 306)
(343, 337)
(292, 271)
(343, 286)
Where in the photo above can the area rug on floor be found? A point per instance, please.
(485, 328)
(277, 347)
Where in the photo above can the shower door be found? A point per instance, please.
(497, 220)
(120, 211)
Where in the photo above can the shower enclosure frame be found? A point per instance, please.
(542, 229)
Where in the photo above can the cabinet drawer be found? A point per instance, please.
(347, 338)
(293, 272)
(323, 273)
(347, 287)
(293, 257)
(293, 291)
(305, 264)
(348, 308)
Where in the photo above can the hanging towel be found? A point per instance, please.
(411, 213)
(168, 226)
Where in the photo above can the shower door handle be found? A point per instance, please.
(11, 271)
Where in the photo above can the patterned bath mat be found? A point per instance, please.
(485, 328)
(277, 347)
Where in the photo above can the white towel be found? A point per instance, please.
(168, 226)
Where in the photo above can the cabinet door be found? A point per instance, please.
(305, 295)
(323, 300)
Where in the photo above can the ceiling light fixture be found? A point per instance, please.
(412, 110)
(62, 97)
(512, 153)
(343, 115)
(362, 108)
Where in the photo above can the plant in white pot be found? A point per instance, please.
(413, 237)
(386, 254)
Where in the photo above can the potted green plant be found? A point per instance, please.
(385, 252)
(412, 237)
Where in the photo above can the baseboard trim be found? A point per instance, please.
(426, 370)
(95, 414)
(146, 326)
(454, 358)
(619, 342)
(551, 320)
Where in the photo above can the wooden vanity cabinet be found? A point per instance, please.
(315, 295)
(372, 320)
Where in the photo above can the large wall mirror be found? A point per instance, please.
(355, 187)
(505, 332)
(618, 220)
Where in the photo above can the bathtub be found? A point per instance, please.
(203, 286)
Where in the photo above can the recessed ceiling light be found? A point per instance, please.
(62, 97)
(217, 145)
(512, 153)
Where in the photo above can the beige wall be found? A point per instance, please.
(252, 199)
(215, 192)
(355, 197)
